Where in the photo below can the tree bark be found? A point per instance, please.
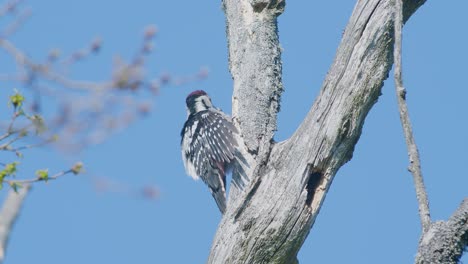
(445, 241)
(278, 188)
(9, 214)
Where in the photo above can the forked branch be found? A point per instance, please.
(289, 180)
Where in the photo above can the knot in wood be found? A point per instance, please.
(274, 5)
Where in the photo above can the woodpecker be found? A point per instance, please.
(208, 144)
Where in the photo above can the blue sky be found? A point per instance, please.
(370, 214)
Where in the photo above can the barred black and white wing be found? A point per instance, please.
(208, 146)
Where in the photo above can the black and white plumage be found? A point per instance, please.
(208, 144)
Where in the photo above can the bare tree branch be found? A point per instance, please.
(441, 242)
(444, 242)
(415, 164)
(255, 65)
(10, 210)
(47, 73)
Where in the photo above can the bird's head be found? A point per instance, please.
(198, 101)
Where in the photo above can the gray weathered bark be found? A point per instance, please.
(445, 241)
(282, 188)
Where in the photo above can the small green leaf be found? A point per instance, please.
(20, 112)
(15, 186)
(17, 100)
(38, 123)
(77, 168)
(43, 175)
(9, 169)
(54, 138)
(23, 133)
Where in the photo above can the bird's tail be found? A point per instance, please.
(217, 185)
(219, 195)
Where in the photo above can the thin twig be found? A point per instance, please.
(30, 146)
(415, 165)
(38, 179)
(8, 7)
(10, 210)
(6, 135)
(50, 75)
(10, 132)
(18, 22)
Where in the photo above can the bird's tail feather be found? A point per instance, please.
(217, 185)
(219, 195)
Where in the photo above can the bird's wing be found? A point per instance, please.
(208, 144)
(220, 139)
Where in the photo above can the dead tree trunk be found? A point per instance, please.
(278, 188)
